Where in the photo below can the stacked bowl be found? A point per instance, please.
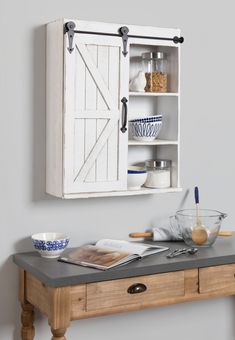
(146, 129)
(136, 177)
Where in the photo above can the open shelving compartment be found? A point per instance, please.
(141, 104)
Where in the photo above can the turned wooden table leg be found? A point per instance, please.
(27, 319)
(56, 305)
(58, 334)
(59, 319)
(27, 313)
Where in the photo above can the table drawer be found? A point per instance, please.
(142, 290)
(217, 279)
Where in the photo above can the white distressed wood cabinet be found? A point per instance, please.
(88, 74)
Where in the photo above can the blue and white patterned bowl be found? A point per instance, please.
(50, 245)
(148, 119)
(146, 129)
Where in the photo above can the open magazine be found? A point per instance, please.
(106, 253)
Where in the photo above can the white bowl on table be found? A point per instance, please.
(50, 245)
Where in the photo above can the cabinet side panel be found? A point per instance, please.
(54, 108)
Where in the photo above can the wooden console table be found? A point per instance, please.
(66, 292)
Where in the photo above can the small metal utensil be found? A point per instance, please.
(176, 252)
(192, 251)
(181, 251)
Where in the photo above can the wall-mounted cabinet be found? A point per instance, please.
(89, 146)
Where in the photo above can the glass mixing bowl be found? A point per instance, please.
(201, 232)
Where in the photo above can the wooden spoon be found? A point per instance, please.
(199, 233)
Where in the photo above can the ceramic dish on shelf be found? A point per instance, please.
(146, 129)
(133, 169)
(136, 177)
(50, 245)
(148, 119)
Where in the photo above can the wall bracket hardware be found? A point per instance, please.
(122, 32)
(178, 40)
(69, 28)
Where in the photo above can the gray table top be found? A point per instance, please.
(58, 274)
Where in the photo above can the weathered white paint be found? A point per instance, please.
(141, 191)
(104, 149)
(54, 107)
(96, 78)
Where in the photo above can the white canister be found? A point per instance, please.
(158, 173)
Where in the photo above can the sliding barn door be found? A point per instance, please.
(95, 150)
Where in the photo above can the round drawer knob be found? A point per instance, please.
(137, 288)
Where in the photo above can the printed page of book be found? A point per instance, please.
(98, 257)
(129, 247)
(154, 250)
(137, 248)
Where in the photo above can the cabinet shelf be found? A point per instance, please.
(154, 142)
(141, 191)
(153, 94)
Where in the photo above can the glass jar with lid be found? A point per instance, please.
(155, 67)
(158, 173)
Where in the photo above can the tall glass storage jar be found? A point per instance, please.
(155, 67)
(158, 173)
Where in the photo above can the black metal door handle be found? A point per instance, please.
(137, 288)
(124, 114)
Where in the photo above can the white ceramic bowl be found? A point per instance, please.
(136, 169)
(136, 177)
(50, 245)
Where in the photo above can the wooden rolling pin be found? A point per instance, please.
(150, 234)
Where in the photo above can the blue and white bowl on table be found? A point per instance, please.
(50, 245)
(136, 177)
(146, 129)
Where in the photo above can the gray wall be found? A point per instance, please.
(208, 120)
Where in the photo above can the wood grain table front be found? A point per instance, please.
(65, 292)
